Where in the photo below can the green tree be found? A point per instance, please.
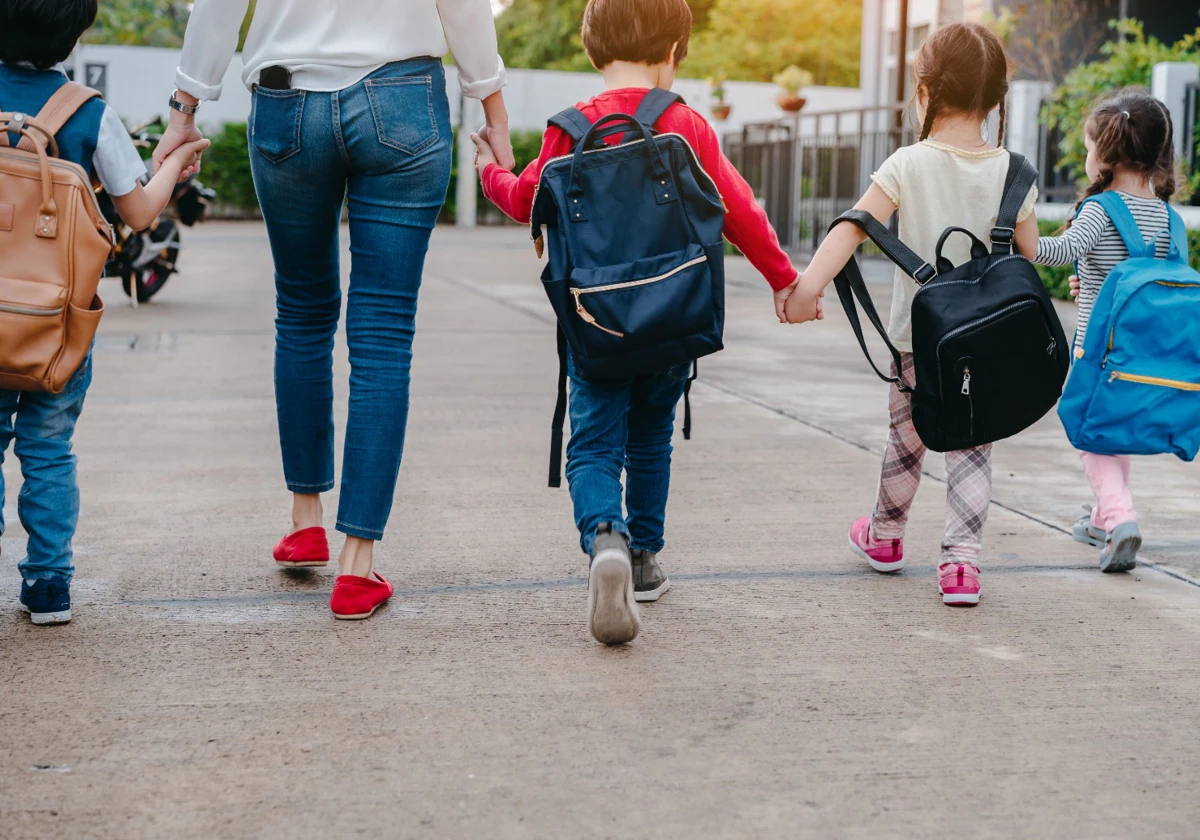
(141, 23)
(755, 39)
(1128, 61)
(544, 34)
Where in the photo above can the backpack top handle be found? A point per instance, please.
(664, 190)
(978, 249)
(33, 133)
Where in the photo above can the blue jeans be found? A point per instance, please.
(622, 425)
(382, 146)
(48, 505)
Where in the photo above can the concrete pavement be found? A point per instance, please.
(779, 690)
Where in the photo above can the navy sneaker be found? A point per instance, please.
(46, 601)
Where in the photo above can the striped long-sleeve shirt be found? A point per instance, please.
(1092, 242)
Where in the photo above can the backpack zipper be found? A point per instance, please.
(1112, 332)
(628, 284)
(24, 310)
(966, 392)
(993, 316)
(1177, 384)
(695, 159)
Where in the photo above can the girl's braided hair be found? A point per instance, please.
(1132, 129)
(962, 67)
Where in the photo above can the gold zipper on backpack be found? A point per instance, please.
(1154, 380)
(628, 284)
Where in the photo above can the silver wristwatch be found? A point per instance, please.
(175, 104)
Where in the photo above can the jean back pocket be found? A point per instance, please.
(402, 107)
(275, 122)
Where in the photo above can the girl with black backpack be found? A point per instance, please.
(955, 176)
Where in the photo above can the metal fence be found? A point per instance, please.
(809, 168)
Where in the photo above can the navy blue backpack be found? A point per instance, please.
(633, 235)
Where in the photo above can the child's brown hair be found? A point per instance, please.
(641, 31)
(1132, 129)
(962, 67)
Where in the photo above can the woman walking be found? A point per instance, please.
(349, 106)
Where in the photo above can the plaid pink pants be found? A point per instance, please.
(968, 476)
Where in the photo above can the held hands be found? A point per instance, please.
(484, 156)
(181, 129)
(800, 303)
(1073, 283)
(186, 156)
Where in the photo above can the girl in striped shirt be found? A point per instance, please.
(1130, 151)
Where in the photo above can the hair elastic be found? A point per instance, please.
(1125, 114)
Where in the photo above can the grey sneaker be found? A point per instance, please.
(1087, 533)
(1121, 548)
(612, 609)
(650, 580)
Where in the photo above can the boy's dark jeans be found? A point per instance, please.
(622, 425)
(48, 504)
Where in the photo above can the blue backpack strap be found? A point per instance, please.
(1179, 239)
(1123, 221)
(573, 123)
(654, 104)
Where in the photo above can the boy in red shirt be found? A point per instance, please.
(637, 45)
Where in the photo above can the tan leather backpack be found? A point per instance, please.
(54, 243)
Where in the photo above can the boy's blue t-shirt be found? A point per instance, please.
(94, 137)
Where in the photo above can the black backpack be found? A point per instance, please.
(988, 347)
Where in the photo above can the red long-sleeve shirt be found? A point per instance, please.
(746, 224)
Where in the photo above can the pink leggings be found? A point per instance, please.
(1109, 477)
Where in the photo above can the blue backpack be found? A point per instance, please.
(633, 235)
(1135, 390)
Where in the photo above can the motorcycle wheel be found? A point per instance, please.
(148, 283)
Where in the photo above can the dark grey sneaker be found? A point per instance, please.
(650, 580)
(1087, 533)
(1121, 548)
(612, 608)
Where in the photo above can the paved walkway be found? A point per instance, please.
(779, 690)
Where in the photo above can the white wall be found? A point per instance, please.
(140, 79)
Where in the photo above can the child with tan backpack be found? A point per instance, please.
(55, 136)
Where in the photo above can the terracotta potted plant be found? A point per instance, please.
(716, 88)
(791, 81)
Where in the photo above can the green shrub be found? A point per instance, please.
(226, 169)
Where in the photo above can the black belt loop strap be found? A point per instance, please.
(687, 401)
(560, 414)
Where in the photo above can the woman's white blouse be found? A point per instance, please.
(331, 44)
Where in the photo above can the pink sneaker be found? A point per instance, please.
(959, 584)
(884, 555)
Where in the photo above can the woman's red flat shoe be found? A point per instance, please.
(302, 549)
(357, 597)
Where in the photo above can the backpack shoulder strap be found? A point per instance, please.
(63, 104)
(1118, 212)
(850, 285)
(654, 104)
(1179, 239)
(573, 123)
(59, 108)
(1022, 175)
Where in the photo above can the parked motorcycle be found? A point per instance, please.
(145, 260)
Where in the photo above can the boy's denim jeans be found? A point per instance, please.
(382, 146)
(48, 505)
(627, 425)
